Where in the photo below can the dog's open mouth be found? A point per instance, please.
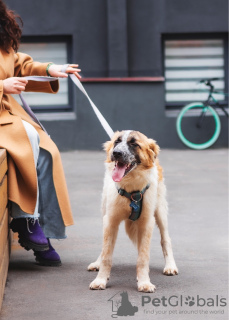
(121, 169)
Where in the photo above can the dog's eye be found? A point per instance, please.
(134, 144)
(118, 141)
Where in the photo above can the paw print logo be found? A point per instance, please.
(190, 301)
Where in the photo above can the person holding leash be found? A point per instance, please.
(38, 197)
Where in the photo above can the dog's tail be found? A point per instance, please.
(131, 230)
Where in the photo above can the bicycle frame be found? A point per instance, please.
(215, 102)
(208, 102)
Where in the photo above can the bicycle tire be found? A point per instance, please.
(209, 142)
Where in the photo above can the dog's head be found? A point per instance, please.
(130, 150)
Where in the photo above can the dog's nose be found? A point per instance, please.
(117, 154)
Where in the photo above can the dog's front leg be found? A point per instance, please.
(144, 238)
(94, 266)
(110, 231)
(161, 215)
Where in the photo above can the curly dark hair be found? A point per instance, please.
(10, 31)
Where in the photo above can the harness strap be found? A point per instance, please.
(136, 198)
(123, 192)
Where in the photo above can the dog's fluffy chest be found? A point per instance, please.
(120, 205)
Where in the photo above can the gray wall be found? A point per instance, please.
(120, 38)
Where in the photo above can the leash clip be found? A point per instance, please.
(136, 201)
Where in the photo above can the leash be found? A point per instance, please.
(25, 104)
(76, 81)
(136, 197)
(99, 115)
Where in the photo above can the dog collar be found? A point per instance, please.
(136, 198)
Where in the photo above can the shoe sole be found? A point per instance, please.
(28, 245)
(46, 263)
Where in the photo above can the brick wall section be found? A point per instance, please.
(4, 224)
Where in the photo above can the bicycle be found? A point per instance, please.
(198, 124)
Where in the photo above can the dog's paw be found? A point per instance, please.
(98, 284)
(93, 267)
(146, 287)
(170, 270)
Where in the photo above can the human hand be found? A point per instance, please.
(14, 85)
(55, 70)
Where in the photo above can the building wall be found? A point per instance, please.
(120, 38)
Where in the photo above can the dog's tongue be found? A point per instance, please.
(119, 171)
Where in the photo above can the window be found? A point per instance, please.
(188, 61)
(45, 49)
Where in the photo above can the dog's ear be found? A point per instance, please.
(107, 146)
(154, 147)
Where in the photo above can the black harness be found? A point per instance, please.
(136, 198)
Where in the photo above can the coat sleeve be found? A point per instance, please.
(25, 66)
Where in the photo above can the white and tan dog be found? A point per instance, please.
(133, 173)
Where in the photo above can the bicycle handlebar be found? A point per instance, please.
(209, 80)
(208, 83)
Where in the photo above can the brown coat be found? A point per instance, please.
(13, 137)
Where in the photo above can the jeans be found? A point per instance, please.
(47, 208)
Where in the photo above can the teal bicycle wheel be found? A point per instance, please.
(198, 126)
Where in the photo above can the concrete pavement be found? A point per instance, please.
(197, 184)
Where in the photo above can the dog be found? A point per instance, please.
(133, 191)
